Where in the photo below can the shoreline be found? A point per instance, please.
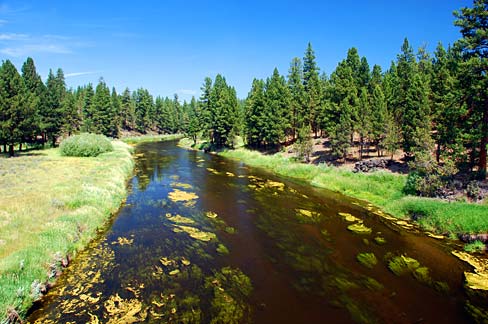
(381, 189)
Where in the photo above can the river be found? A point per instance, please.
(206, 239)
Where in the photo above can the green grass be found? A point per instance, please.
(51, 206)
(476, 246)
(381, 188)
(150, 138)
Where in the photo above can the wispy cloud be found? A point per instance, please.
(6, 9)
(188, 92)
(13, 37)
(3, 22)
(29, 49)
(75, 74)
(125, 35)
(17, 44)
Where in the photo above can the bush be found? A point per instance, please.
(85, 145)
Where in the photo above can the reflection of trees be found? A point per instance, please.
(151, 160)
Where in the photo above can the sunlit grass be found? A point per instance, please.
(382, 189)
(51, 206)
(151, 138)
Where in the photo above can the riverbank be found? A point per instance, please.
(382, 189)
(51, 207)
(132, 140)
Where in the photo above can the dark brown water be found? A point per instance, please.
(291, 257)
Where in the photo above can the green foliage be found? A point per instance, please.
(476, 246)
(85, 145)
(304, 146)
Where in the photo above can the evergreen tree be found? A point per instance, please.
(143, 104)
(194, 124)
(297, 93)
(53, 114)
(254, 115)
(311, 83)
(103, 111)
(72, 120)
(276, 117)
(365, 123)
(378, 117)
(127, 110)
(474, 45)
(205, 107)
(88, 110)
(116, 120)
(447, 110)
(223, 109)
(35, 92)
(15, 111)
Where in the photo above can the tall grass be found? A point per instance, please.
(51, 206)
(382, 189)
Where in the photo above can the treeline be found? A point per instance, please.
(424, 104)
(34, 112)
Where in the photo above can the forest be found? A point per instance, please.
(431, 106)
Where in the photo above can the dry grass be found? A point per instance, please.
(51, 206)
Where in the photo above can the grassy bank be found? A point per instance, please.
(51, 206)
(382, 189)
(150, 138)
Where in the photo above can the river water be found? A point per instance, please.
(203, 239)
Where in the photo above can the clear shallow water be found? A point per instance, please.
(270, 251)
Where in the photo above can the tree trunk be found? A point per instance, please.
(438, 153)
(5, 147)
(20, 147)
(10, 150)
(484, 142)
(54, 141)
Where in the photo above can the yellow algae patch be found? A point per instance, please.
(213, 171)
(174, 272)
(230, 174)
(178, 219)
(123, 241)
(241, 176)
(348, 217)
(211, 214)
(404, 224)
(185, 262)
(359, 228)
(174, 177)
(178, 195)
(195, 233)
(200, 160)
(120, 310)
(274, 184)
(251, 177)
(478, 279)
(181, 185)
(305, 212)
(166, 262)
(439, 237)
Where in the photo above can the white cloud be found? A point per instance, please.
(3, 22)
(75, 74)
(29, 49)
(13, 37)
(186, 92)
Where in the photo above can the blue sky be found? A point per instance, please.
(171, 46)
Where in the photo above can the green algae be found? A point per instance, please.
(367, 259)
(401, 265)
(178, 219)
(195, 233)
(348, 217)
(359, 228)
(372, 284)
(380, 240)
(222, 249)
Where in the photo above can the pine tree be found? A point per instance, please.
(474, 44)
(127, 110)
(88, 110)
(378, 117)
(143, 104)
(223, 109)
(447, 110)
(277, 101)
(194, 123)
(116, 120)
(72, 120)
(312, 89)
(205, 107)
(365, 123)
(297, 92)
(35, 91)
(254, 114)
(102, 117)
(52, 114)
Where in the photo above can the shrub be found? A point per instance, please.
(85, 145)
